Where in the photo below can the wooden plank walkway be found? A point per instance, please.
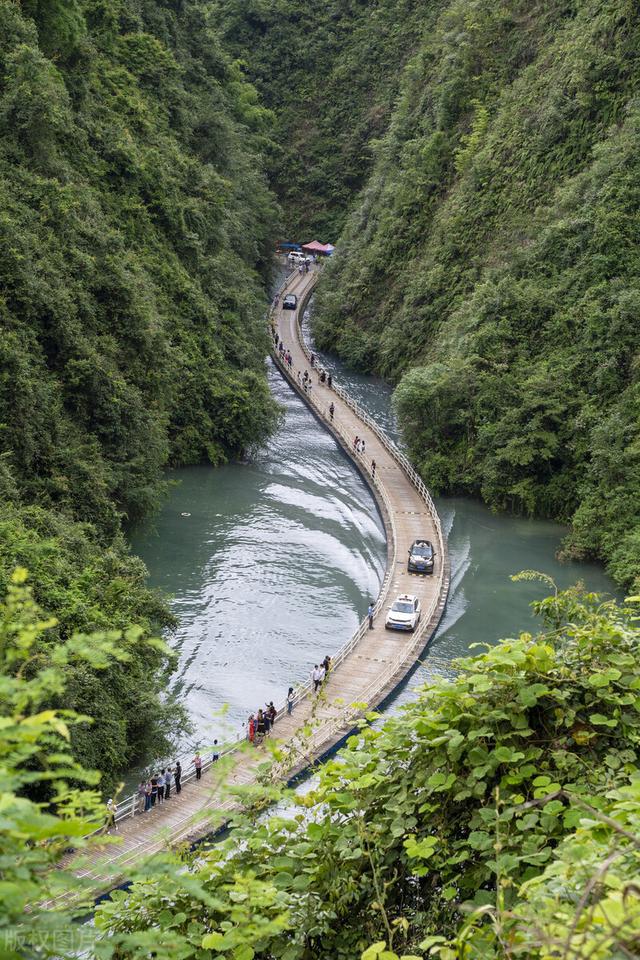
(366, 671)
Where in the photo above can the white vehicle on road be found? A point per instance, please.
(296, 256)
(404, 613)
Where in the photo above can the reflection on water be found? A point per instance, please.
(272, 568)
(485, 550)
(274, 565)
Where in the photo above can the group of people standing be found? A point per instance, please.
(260, 724)
(157, 788)
(320, 672)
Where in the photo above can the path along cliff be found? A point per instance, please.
(364, 672)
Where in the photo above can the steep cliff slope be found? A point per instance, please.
(135, 235)
(492, 265)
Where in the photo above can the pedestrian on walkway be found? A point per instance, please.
(215, 756)
(329, 381)
(110, 823)
(267, 723)
(251, 729)
(316, 677)
(290, 697)
(260, 726)
(331, 411)
(177, 776)
(161, 785)
(373, 469)
(299, 377)
(147, 796)
(356, 444)
(362, 446)
(309, 386)
(141, 792)
(197, 762)
(272, 712)
(370, 615)
(312, 359)
(154, 790)
(167, 783)
(326, 663)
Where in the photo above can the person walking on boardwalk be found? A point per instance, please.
(316, 676)
(373, 469)
(147, 796)
(356, 444)
(197, 762)
(326, 663)
(312, 359)
(331, 411)
(215, 755)
(290, 698)
(161, 785)
(110, 823)
(167, 783)
(362, 446)
(370, 615)
(177, 776)
(272, 712)
(329, 380)
(154, 790)
(141, 795)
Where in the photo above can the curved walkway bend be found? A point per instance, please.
(364, 672)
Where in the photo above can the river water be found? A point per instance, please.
(270, 565)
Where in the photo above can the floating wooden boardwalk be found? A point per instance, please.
(365, 671)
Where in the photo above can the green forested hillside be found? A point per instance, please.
(492, 266)
(329, 72)
(135, 234)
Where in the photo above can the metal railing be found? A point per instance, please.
(134, 804)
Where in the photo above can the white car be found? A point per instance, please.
(296, 256)
(404, 613)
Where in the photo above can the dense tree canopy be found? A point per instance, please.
(492, 264)
(135, 240)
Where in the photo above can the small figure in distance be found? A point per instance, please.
(260, 727)
(197, 762)
(110, 823)
(312, 359)
(329, 381)
(177, 776)
(326, 663)
(251, 729)
(167, 783)
(331, 411)
(161, 785)
(370, 615)
(290, 698)
(272, 712)
(316, 677)
(215, 756)
(373, 469)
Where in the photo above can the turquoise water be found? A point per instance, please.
(270, 565)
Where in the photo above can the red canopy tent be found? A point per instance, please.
(326, 249)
